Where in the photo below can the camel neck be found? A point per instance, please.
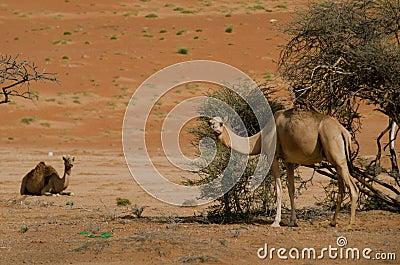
(67, 172)
(244, 145)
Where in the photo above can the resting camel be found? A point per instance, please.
(44, 179)
(304, 137)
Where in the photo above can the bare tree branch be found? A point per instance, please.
(344, 52)
(15, 74)
(393, 155)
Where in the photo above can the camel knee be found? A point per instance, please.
(346, 178)
(46, 191)
(354, 193)
(354, 189)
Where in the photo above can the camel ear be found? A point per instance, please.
(224, 120)
(64, 158)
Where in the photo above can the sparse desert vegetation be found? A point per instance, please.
(101, 52)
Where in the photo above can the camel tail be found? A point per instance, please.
(347, 148)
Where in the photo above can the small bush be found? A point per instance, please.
(136, 210)
(123, 201)
(152, 15)
(229, 29)
(182, 51)
(45, 124)
(258, 7)
(23, 229)
(27, 120)
(282, 6)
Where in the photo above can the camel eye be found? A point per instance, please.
(221, 124)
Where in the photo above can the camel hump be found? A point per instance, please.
(50, 170)
(300, 116)
(41, 166)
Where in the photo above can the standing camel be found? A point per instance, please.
(303, 137)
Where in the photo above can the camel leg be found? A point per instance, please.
(66, 193)
(290, 176)
(278, 192)
(334, 145)
(46, 190)
(23, 190)
(344, 173)
(339, 201)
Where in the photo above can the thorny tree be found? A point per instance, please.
(239, 203)
(344, 52)
(15, 77)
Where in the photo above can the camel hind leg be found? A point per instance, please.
(23, 190)
(339, 201)
(335, 141)
(344, 173)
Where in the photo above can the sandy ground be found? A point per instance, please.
(102, 51)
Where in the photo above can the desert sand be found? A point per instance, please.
(102, 51)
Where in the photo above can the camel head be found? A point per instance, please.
(68, 161)
(217, 125)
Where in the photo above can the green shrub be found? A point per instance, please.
(152, 15)
(123, 201)
(182, 51)
(27, 120)
(239, 203)
(229, 29)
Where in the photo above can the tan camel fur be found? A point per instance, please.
(44, 179)
(303, 137)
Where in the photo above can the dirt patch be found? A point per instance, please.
(102, 51)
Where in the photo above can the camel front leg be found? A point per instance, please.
(46, 190)
(290, 176)
(67, 193)
(278, 192)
